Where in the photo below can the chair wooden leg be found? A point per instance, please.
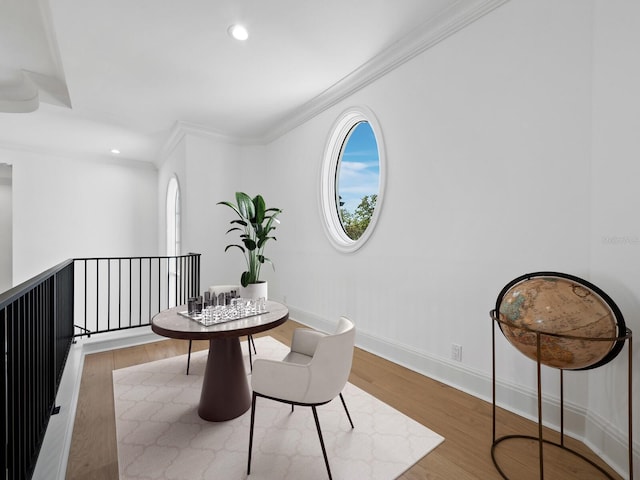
(189, 357)
(346, 410)
(253, 416)
(324, 451)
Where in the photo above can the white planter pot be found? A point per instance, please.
(254, 290)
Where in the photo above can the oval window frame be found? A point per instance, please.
(329, 172)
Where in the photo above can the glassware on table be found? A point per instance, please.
(207, 316)
(219, 312)
(261, 305)
(191, 305)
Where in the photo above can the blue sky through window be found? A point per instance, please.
(359, 170)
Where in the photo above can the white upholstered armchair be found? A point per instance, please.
(313, 373)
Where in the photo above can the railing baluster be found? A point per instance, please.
(119, 293)
(97, 296)
(85, 294)
(140, 293)
(32, 363)
(108, 294)
(23, 379)
(130, 297)
(159, 285)
(3, 383)
(182, 260)
(188, 279)
(16, 388)
(149, 287)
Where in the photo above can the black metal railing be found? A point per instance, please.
(120, 293)
(37, 332)
(41, 317)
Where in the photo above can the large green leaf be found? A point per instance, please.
(258, 203)
(269, 225)
(262, 241)
(230, 246)
(231, 206)
(247, 278)
(245, 206)
(259, 207)
(249, 243)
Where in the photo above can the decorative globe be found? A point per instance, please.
(578, 323)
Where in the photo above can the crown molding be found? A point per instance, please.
(430, 33)
(182, 128)
(175, 136)
(210, 133)
(420, 39)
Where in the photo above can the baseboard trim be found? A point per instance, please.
(607, 442)
(54, 453)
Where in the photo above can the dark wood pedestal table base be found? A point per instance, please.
(225, 390)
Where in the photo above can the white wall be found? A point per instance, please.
(213, 175)
(208, 171)
(490, 139)
(488, 150)
(615, 230)
(6, 242)
(65, 208)
(510, 149)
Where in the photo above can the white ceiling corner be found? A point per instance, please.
(139, 75)
(31, 68)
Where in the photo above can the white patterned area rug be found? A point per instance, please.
(161, 436)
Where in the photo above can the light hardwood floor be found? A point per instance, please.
(464, 421)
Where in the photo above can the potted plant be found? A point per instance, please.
(255, 224)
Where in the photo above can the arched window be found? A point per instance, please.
(173, 238)
(352, 179)
(173, 217)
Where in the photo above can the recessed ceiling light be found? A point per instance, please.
(115, 151)
(238, 32)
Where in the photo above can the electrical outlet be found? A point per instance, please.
(456, 352)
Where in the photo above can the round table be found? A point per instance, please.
(225, 390)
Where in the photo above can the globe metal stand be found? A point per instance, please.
(541, 441)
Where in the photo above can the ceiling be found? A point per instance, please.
(81, 77)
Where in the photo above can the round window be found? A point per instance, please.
(352, 179)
